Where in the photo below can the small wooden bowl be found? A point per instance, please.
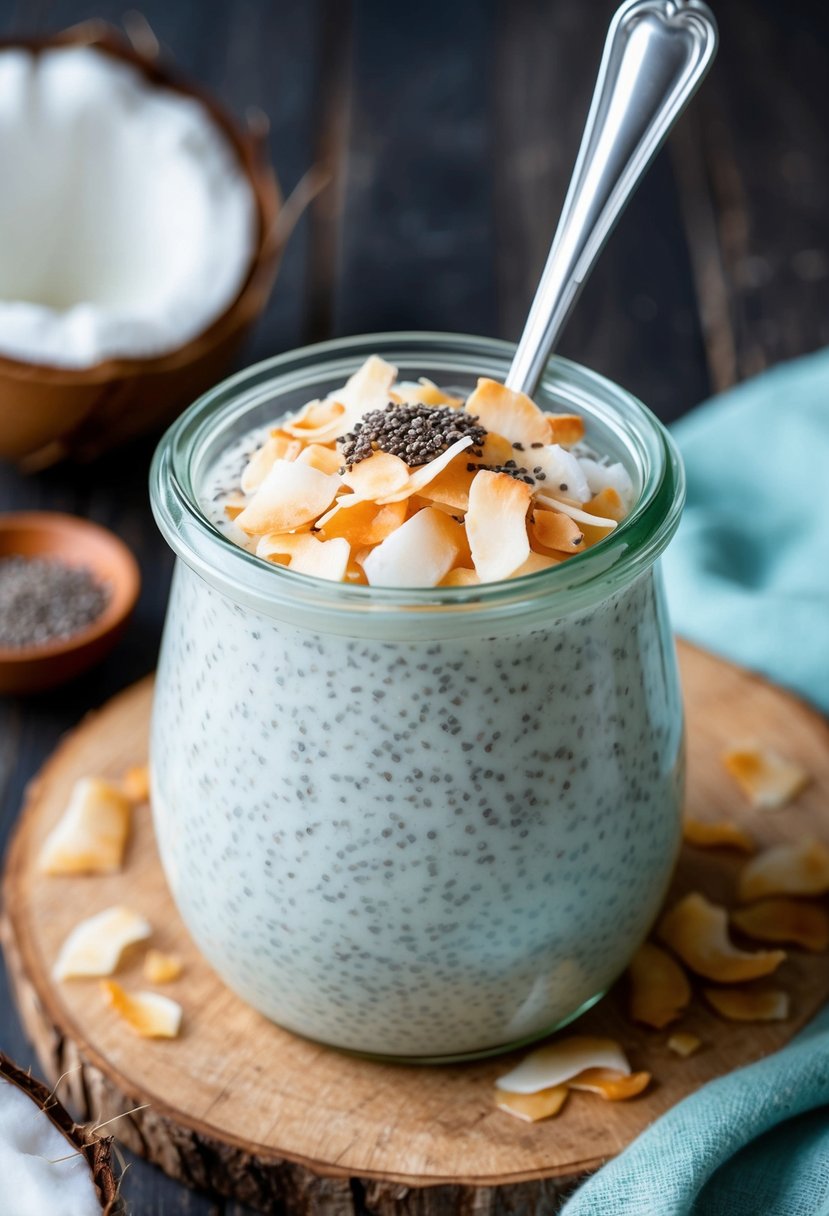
(76, 542)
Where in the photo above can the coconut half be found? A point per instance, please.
(48, 1162)
(139, 241)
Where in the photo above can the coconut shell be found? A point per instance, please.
(96, 1149)
(53, 412)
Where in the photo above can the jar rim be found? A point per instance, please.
(337, 607)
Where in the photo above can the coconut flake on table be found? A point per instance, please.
(38, 1165)
(129, 224)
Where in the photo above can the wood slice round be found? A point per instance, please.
(241, 1107)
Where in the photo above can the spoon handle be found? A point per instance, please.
(655, 56)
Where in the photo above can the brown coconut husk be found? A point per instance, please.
(97, 1150)
(50, 412)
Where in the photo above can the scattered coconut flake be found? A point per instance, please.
(559, 1062)
(305, 554)
(566, 428)
(601, 477)
(558, 473)
(460, 577)
(418, 554)
(327, 460)
(554, 530)
(376, 477)
(425, 473)
(496, 525)
(91, 835)
(365, 523)
(234, 505)
(683, 1043)
(781, 919)
(424, 392)
(135, 783)
(534, 563)
(317, 422)
(545, 1104)
(149, 1014)
(610, 1084)
(767, 779)
(290, 495)
(704, 834)
(277, 447)
(451, 487)
(697, 931)
(515, 415)
(161, 968)
(659, 988)
(576, 513)
(94, 947)
(749, 1004)
(369, 388)
(799, 868)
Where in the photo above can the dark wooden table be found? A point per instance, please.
(450, 129)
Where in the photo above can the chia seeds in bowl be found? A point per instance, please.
(45, 600)
(424, 823)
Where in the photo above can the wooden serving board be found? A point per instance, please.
(241, 1107)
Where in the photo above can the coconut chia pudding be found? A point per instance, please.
(411, 798)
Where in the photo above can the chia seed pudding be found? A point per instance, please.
(421, 824)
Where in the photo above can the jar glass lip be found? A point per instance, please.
(647, 450)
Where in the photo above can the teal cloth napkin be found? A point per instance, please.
(748, 577)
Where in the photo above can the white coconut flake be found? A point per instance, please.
(608, 476)
(94, 947)
(128, 223)
(561, 1061)
(562, 471)
(418, 554)
(40, 1170)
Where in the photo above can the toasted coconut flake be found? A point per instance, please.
(545, 1104)
(749, 1004)
(559, 1062)
(235, 505)
(556, 531)
(683, 1043)
(376, 477)
(536, 562)
(161, 968)
(369, 388)
(721, 834)
(800, 868)
(277, 447)
(460, 577)
(91, 835)
(566, 429)
(291, 494)
(135, 783)
(327, 460)
(318, 421)
(496, 450)
(576, 513)
(94, 947)
(780, 919)
(418, 554)
(364, 524)
(515, 415)
(451, 487)
(496, 525)
(305, 554)
(767, 779)
(149, 1014)
(697, 931)
(426, 473)
(659, 988)
(612, 1085)
(423, 393)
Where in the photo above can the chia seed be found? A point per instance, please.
(45, 600)
(415, 433)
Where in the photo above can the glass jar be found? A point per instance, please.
(425, 824)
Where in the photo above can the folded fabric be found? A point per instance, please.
(748, 577)
(748, 572)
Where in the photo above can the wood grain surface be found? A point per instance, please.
(450, 131)
(273, 1119)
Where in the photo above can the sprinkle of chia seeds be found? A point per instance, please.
(563, 485)
(519, 447)
(510, 468)
(536, 445)
(415, 433)
(43, 600)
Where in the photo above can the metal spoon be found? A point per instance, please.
(655, 56)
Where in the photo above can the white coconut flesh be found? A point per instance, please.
(129, 224)
(39, 1168)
